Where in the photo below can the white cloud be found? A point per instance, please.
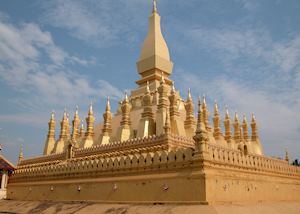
(24, 51)
(97, 22)
(278, 121)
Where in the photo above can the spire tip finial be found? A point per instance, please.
(154, 9)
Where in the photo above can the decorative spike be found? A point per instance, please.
(204, 100)
(91, 108)
(125, 107)
(216, 119)
(107, 120)
(201, 133)
(81, 132)
(190, 121)
(52, 115)
(241, 134)
(189, 97)
(107, 108)
(154, 9)
(236, 126)
(216, 108)
(90, 123)
(245, 128)
(254, 135)
(227, 126)
(126, 97)
(227, 113)
(286, 155)
(167, 126)
(205, 114)
(21, 156)
(75, 123)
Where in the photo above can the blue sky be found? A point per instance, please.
(57, 54)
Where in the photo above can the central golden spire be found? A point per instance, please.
(154, 58)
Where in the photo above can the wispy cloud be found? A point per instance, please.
(32, 64)
(96, 22)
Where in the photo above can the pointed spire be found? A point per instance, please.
(227, 123)
(50, 141)
(107, 117)
(64, 126)
(81, 132)
(189, 97)
(91, 108)
(167, 126)
(52, 115)
(236, 126)
(90, 123)
(75, 123)
(245, 128)
(241, 134)
(205, 114)
(287, 155)
(21, 156)
(173, 98)
(154, 8)
(216, 108)
(216, 119)
(201, 133)
(190, 120)
(125, 107)
(107, 108)
(226, 113)
(254, 135)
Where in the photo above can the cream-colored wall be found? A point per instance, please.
(234, 186)
(162, 188)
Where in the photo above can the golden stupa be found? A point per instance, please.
(154, 149)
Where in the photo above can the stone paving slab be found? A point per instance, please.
(45, 207)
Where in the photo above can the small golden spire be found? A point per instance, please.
(227, 125)
(216, 119)
(245, 128)
(241, 134)
(227, 113)
(76, 110)
(205, 114)
(90, 123)
(52, 115)
(216, 108)
(201, 133)
(126, 97)
(190, 120)
(81, 132)
(21, 156)
(91, 108)
(189, 97)
(236, 126)
(254, 135)
(107, 108)
(167, 126)
(287, 155)
(75, 123)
